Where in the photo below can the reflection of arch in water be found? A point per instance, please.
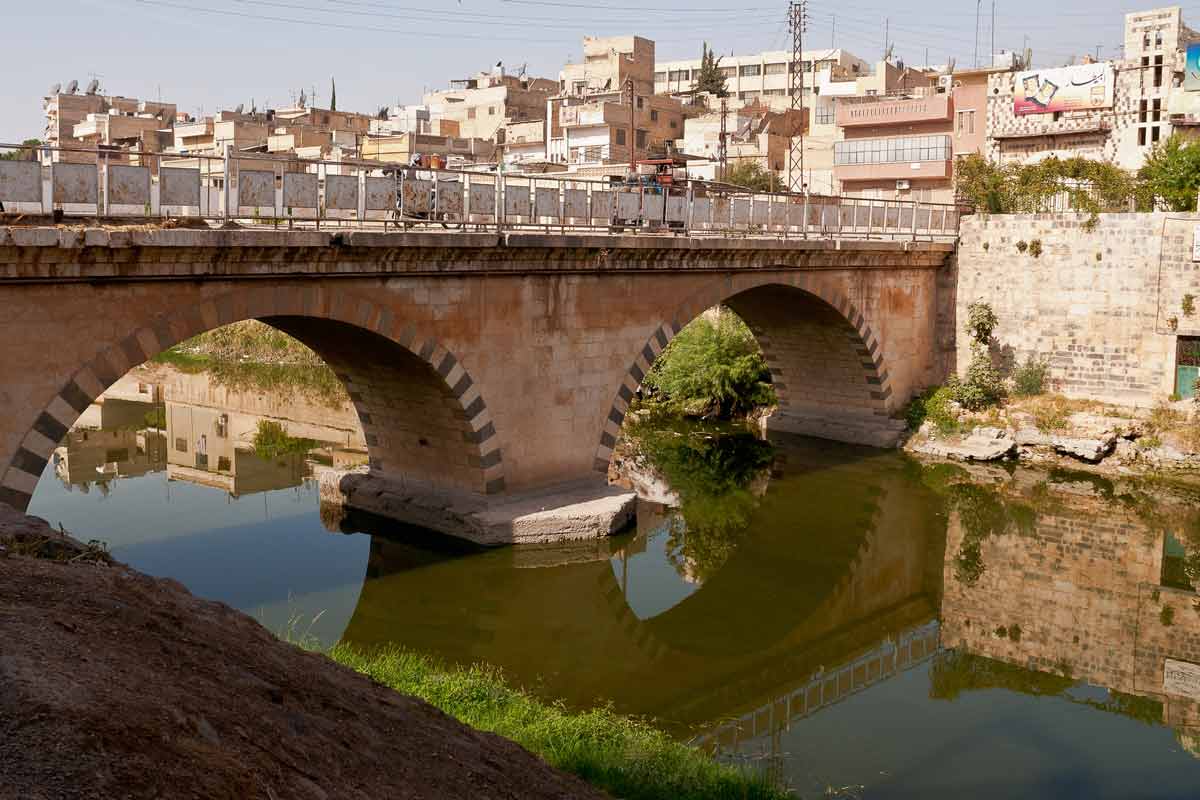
(396, 377)
(567, 628)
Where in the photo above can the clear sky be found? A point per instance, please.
(205, 55)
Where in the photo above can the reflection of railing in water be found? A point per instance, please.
(910, 649)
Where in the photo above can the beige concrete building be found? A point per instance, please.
(399, 149)
(607, 64)
(754, 134)
(483, 104)
(1145, 99)
(82, 120)
(764, 78)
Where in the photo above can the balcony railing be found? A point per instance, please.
(261, 190)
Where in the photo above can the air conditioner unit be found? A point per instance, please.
(945, 82)
(903, 186)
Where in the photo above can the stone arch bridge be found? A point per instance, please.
(480, 364)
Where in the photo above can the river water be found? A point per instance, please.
(846, 620)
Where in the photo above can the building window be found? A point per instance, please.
(776, 69)
(775, 92)
(660, 77)
(729, 72)
(826, 113)
(470, 113)
(620, 136)
(491, 111)
(900, 149)
(640, 102)
(965, 124)
(1141, 137)
(751, 70)
(641, 139)
(1158, 38)
(654, 115)
(1156, 108)
(1154, 129)
(579, 88)
(1142, 110)
(674, 125)
(678, 75)
(1158, 70)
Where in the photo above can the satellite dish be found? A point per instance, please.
(92, 86)
(240, 108)
(55, 88)
(72, 87)
(950, 67)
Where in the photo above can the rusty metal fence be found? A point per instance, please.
(272, 190)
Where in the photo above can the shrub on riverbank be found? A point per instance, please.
(712, 369)
(623, 756)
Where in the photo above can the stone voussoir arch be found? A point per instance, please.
(166, 329)
(870, 350)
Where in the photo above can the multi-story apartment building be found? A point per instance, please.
(481, 105)
(754, 134)
(70, 116)
(763, 78)
(1114, 111)
(596, 122)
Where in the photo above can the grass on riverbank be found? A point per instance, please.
(316, 382)
(623, 756)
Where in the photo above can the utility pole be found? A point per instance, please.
(798, 24)
(978, 4)
(992, 53)
(632, 127)
(722, 147)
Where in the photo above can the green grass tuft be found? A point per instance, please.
(624, 756)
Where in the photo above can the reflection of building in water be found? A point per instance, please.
(112, 439)
(214, 447)
(1076, 591)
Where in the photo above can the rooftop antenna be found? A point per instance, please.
(950, 67)
(978, 8)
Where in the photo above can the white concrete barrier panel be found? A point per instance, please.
(720, 212)
(741, 211)
(760, 214)
(602, 204)
(576, 204)
(74, 183)
(652, 207)
(128, 186)
(702, 210)
(483, 200)
(450, 197)
(546, 201)
(381, 194)
(179, 187)
(20, 182)
(256, 189)
(676, 209)
(341, 192)
(629, 205)
(300, 190)
(415, 196)
(516, 201)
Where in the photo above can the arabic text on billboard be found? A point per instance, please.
(1077, 88)
(1191, 68)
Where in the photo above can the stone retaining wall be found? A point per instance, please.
(1103, 304)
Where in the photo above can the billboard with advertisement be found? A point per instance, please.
(1191, 68)
(1076, 88)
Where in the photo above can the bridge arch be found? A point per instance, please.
(423, 415)
(828, 366)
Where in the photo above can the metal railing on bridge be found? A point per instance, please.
(272, 190)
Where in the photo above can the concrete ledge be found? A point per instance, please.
(865, 429)
(577, 511)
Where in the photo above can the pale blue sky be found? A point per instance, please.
(213, 54)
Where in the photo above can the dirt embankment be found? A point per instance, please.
(117, 685)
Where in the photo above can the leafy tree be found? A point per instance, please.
(1172, 173)
(1091, 186)
(710, 78)
(982, 385)
(753, 176)
(712, 369)
(22, 155)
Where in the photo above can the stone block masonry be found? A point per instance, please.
(1102, 304)
(476, 363)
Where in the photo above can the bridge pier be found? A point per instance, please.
(576, 511)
